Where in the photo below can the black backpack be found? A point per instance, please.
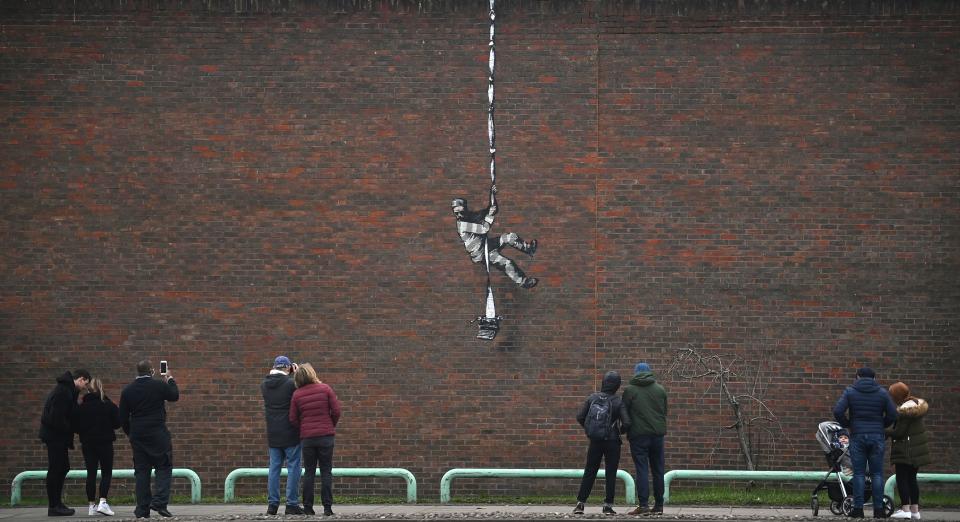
(600, 415)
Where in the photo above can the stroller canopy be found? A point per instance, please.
(827, 434)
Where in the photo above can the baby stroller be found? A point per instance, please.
(834, 440)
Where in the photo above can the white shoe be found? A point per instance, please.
(915, 516)
(901, 514)
(93, 510)
(104, 508)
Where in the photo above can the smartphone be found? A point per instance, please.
(163, 367)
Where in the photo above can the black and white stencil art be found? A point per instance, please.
(474, 230)
(474, 226)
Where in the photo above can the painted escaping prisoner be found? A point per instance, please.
(473, 227)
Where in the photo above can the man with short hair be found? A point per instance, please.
(143, 414)
(282, 438)
(56, 432)
(646, 403)
(870, 411)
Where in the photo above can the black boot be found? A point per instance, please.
(60, 511)
(856, 513)
(879, 513)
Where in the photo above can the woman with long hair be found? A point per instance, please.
(909, 451)
(95, 420)
(315, 411)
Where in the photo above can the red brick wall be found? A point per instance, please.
(216, 187)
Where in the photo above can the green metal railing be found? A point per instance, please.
(713, 474)
(448, 477)
(891, 483)
(15, 486)
(229, 485)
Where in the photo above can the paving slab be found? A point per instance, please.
(421, 512)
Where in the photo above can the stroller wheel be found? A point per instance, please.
(836, 508)
(887, 506)
(847, 506)
(815, 504)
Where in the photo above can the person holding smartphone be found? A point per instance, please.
(143, 416)
(282, 438)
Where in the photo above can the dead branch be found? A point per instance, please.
(690, 364)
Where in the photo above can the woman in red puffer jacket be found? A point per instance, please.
(315, 411)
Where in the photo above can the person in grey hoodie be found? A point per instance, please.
(646, 403)
(282, 438)
(605, 445)
(870, 411)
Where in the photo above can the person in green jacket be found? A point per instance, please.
(646, 402)
(909, 449)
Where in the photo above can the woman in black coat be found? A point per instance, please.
(95, 420)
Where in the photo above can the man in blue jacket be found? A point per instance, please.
(870, 411)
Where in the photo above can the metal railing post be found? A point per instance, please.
(16, 485)
(714, 474)
(891, 482)
(446, 481)
(229, 485)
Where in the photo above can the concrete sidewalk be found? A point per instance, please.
(382, 513)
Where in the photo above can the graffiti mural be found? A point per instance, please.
(474, 226)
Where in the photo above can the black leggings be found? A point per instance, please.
(98, 454)
(318, 452)
(907, 484)
(609, 452)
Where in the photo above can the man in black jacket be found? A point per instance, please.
(143, 415)
(57, 433)
(282, 438)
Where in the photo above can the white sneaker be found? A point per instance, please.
(901, 514)
(915, 516)
(93, 510)
(104, 508)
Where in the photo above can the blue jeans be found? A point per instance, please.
(292, 454)
(647, 453)
(867, 448)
